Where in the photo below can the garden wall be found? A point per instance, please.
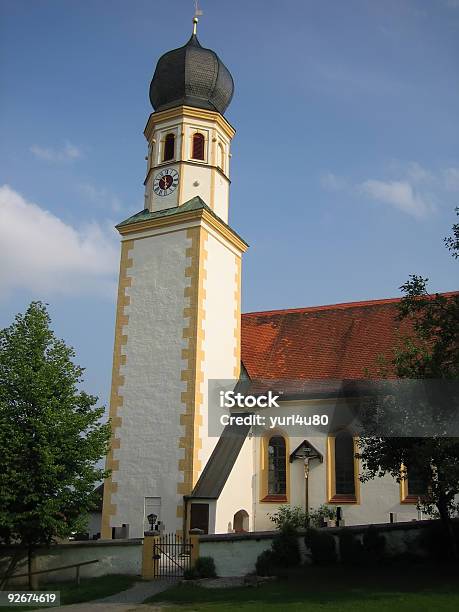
(236, 554)
(115, 557)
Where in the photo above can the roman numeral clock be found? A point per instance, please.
(165, 182)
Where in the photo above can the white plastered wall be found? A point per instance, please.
(220, 305)
(207, 183)
(237, 493)
(378, 497)
(221, 195)
(149, 451)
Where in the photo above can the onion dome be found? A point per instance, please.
(191, 76)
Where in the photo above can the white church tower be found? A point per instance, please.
(178, 309)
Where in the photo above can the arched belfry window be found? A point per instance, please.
(277, 467)
(169, 147)
(198, 146)
(344, 464)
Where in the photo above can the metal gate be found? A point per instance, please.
(171, 556)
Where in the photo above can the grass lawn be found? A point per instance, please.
(89, 589)
(333, 589)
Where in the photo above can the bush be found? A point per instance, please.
(285, 548)
(324, 513)
(374, 543)
(265, 565)
(351, 549)
(203, 568)
(358, 552)
(189, 574)
(434, 540)
(284, 552)
(322, 546)
(297, 518)
(290, 516)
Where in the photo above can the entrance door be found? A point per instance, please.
(199, 517)
(241, 521)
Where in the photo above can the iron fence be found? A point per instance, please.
(171, 556)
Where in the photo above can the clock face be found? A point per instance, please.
(165, 182)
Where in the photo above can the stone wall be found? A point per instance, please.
(236, 554)
(114, 557)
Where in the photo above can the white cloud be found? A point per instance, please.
(42, 254)
(419, 174)
(399, 194)
(69, 152)
(333, 182)
(414, 190)
(451, 176)
(101, 197)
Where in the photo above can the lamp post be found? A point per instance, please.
(151, 518)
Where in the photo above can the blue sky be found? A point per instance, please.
(345, 168)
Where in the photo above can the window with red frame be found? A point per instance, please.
(198, 146)
(169, 147)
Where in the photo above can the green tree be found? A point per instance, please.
(51, 437)
(429, 351)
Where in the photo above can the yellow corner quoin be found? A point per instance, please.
(116, 400)
(193, 375)
(237, 316)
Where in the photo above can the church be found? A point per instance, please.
(179, 327)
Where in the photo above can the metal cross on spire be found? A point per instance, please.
(197, 13)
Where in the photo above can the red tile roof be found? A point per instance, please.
(321, 342)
